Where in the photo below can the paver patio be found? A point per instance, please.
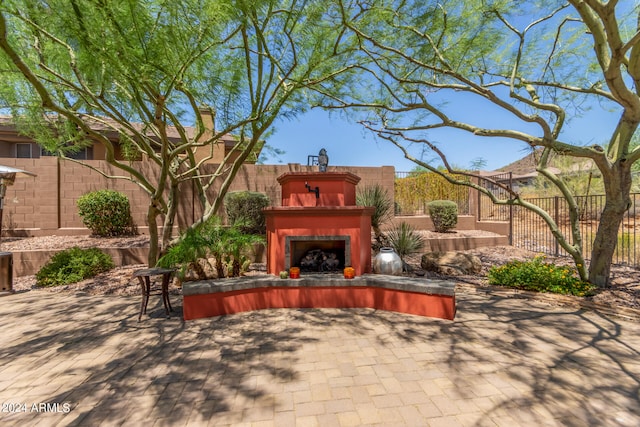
(501, 362)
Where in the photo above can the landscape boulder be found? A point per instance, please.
(451, 263)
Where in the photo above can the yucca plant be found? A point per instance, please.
(378, 197)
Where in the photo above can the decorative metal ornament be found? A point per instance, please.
(387, 262)
(323, 160)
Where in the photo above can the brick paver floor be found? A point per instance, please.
(85, 360)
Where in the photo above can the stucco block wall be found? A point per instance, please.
(46, 204)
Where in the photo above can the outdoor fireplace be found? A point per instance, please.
(319, 229)
(318, 220)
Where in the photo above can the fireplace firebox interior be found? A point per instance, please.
(325, 254)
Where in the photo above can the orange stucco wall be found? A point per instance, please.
(221, 303)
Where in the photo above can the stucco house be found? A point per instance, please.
(14, 145)
(524, 171)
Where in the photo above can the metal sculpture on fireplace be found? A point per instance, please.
(323, 160)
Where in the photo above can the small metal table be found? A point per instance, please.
(144, 276)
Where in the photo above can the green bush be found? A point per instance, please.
(73, 265)
(244, 211)
(106, 213)
(405, 240)
(444, 214)
(539, 276)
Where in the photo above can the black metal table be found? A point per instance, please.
(144, 277)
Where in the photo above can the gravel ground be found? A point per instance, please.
(624, 292)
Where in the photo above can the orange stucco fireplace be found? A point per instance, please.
(318, 212)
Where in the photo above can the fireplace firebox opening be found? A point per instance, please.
(318, 253)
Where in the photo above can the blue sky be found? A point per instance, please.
(348, 144)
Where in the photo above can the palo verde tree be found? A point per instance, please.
(535, 65)
(75, 71)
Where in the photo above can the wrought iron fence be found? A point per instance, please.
(487, 211)
(532, 233)
(527, 229)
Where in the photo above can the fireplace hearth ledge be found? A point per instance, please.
(398, 283)
(419, 296)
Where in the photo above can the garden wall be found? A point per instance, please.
(46, 204)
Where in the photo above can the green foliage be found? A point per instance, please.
(405, 239)
(143, 71)
(477, 164)
(228, 246)
(236, 244)
(378, 197)
(73, 265)
(186, 254)
(539, 276)
(106, 213)
(444, 214)
(413, 192)
(244, 211)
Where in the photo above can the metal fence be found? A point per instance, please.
(414, 191)
(487, 211)
(532, 233)
(527, 229)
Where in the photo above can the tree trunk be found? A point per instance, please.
(169, 218)
(152, 214)
(219, 267)
(616, 205)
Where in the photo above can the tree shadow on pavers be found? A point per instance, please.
(539, 362)
(518, 359)
(111, 367)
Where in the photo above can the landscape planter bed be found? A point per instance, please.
(422, 297)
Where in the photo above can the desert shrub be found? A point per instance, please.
(234, 244)
(244, 211)
(405, 240)
(106, 213)
(73, 265)
(444, 214)
(536, 275)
